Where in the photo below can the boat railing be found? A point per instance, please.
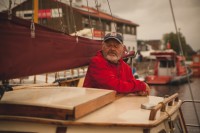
(191, 101)
(169, 101)
(68, 75)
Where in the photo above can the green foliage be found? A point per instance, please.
(172, 38)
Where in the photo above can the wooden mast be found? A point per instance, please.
(35, 11)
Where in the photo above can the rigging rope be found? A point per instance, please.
(180, 45)
(60, 17)
(32, 26)
(73, 19)
(100, 23)
(115, 26)
(10, 10)
(89, 19)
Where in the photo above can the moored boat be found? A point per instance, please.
(169, 68)
(195, 66)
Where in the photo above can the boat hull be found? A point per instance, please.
(163, 80)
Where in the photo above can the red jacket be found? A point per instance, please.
(105, 75)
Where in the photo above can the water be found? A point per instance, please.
(184, 94)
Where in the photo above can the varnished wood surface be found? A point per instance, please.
(54, 102)
(125, 111)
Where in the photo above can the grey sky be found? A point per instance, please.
(154, 17)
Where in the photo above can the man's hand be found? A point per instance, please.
(146, 92)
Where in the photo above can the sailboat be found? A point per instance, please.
(56, 109)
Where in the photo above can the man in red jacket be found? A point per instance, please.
(107, 70)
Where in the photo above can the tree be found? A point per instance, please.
(172, 38)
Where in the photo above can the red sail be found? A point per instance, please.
(49, 51)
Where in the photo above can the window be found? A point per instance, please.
(167, 64)
(85, 22)
(94, 23)
(107, 27)
(133, 30)
(128, 29)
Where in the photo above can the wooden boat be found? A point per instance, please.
(70, 109)
(195, 66)
(81, 110)
(169, 68)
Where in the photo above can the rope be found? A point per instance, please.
(73, 19)
(180, 45)
(89, 19)
(60, 17)
(96, 2)
(9, 10)
(32, 27)
(112, 16)
(170, 122)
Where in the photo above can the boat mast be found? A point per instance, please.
(180, 45)
(35, 2)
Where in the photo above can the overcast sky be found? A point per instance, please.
(155, 18)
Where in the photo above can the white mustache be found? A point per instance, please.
(112, 52)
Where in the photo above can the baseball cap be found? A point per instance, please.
(114, 35)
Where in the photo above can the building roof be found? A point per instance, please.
(93, 13)
(100, 14)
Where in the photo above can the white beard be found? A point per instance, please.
(112, 58)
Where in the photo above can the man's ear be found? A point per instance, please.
(125, 49)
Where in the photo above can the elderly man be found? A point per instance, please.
(107, 70)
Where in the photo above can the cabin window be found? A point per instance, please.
(166, 64)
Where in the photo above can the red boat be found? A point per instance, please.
(169, 68)
(195, 66)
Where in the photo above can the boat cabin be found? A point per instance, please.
(169, 67)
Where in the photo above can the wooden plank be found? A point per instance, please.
(54, 102)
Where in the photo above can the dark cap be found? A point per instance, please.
(115, 36)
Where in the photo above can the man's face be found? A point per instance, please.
(112, 50)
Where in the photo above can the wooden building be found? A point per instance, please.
(72, 18)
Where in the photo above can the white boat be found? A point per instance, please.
(87, 110)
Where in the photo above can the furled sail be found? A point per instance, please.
(49, 51)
